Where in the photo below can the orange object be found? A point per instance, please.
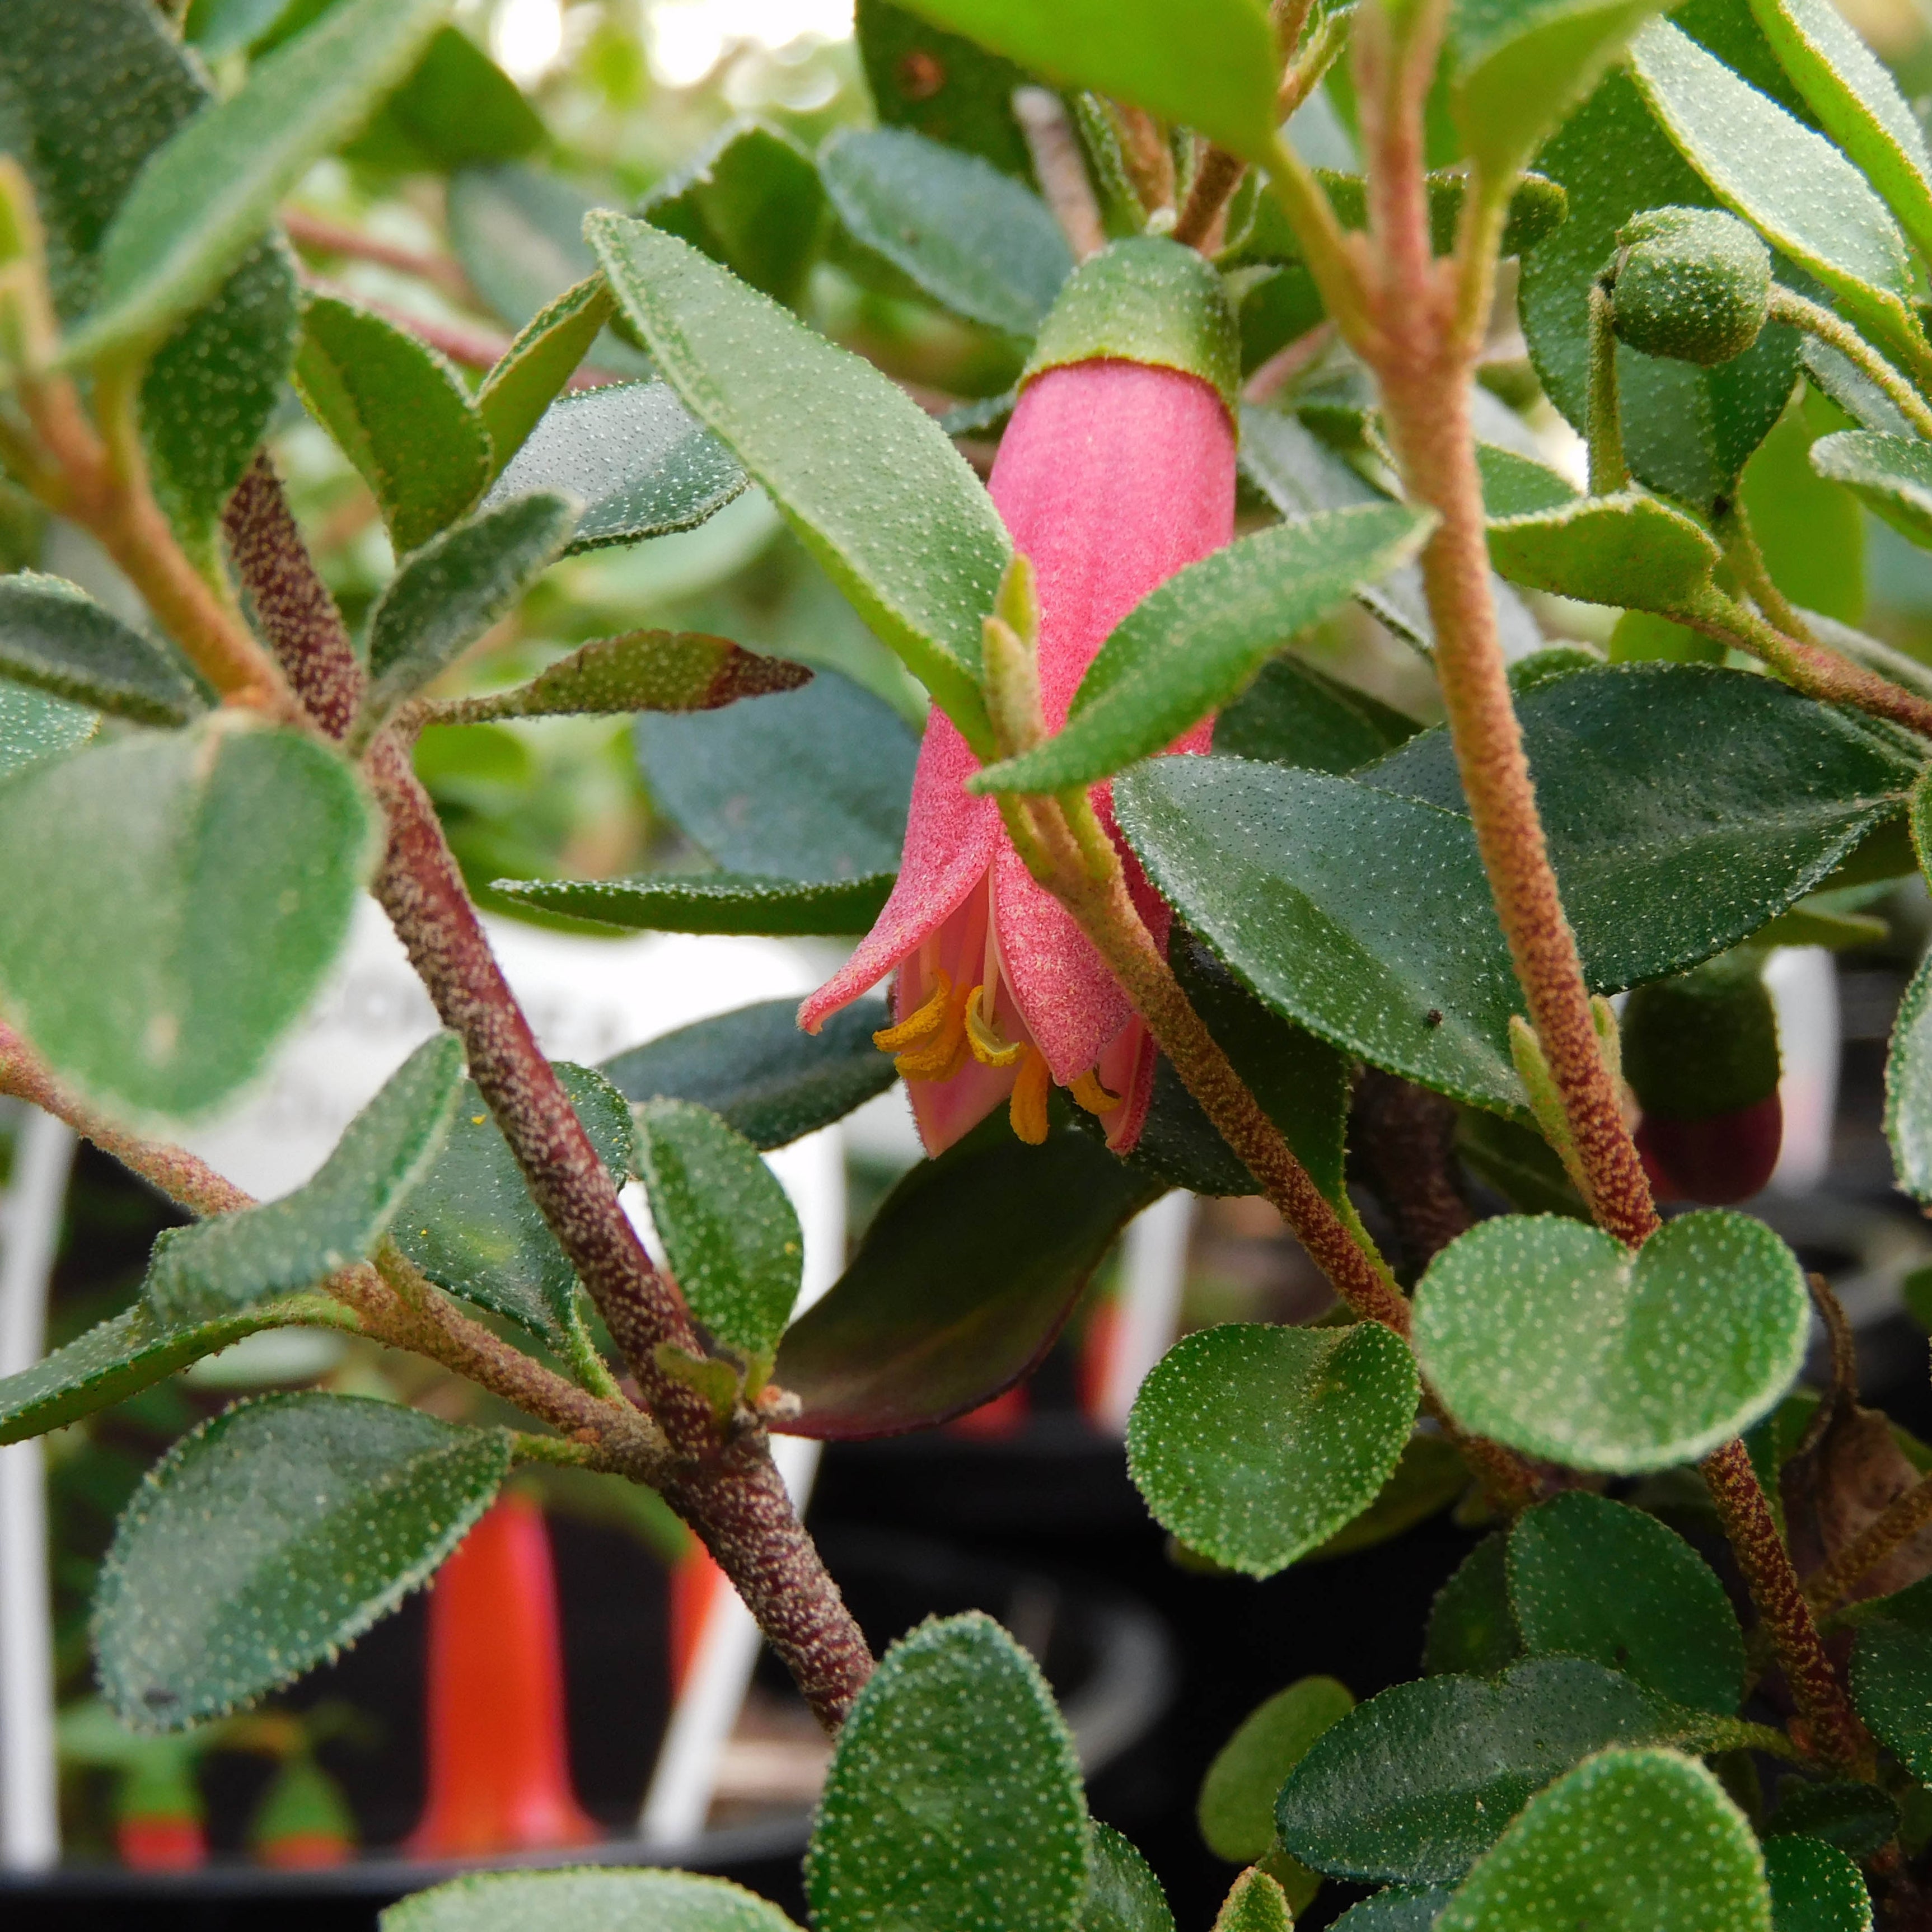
(306, 1851)
(161, 1844)
(1006, 1415)
(696, 1585)
(499, 1758)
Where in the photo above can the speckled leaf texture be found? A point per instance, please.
(1891, 1678)
(1414, 1786)
(272, 1536)
(644, 671)
(1632, 1841)
(207, 196)
(96, 93)
(56, 638)
(972, 238)
(1255, 1903)
(34, 726)
(1814, 1887)
(729, 1230)
(1555, 1339)
(214, 1267)
(1236, 1807)
(1123, 1893)
(868, 480)
(1211, 67)
(954, 1803)
(1891, 475)
(449, 593)
(1397, 1908)
(217, 867)
(1630, 550)
(586, 1901)
(638, 461)
(712, 902)
(1908, 1088)
(1588, 1577)
(469, 1223)
(760, 1072)
(1254, 1444)
(531, 372)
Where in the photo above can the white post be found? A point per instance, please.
(1154, 1272)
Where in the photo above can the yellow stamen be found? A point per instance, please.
(1027, 1110)
(941, 1055)
(989, 1049)
(918, 1025)
(1091, 1095)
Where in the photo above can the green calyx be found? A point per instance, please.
(1691, 283)
(1145, 299)
(1704, 1043)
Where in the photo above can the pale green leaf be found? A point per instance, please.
(1629, 549)
(56, 638)
(1236, 1807)
(612, 1900)
(1255, 1903)
(537, 364)
(642, 670)
(34, 726)
(1891, 475)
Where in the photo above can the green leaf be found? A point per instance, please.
(954, 1803)
(1557, 1339)
(1588, 1577)
(1522, 65)
(1396, 1908)
(946, 1303)
(200, 1272)
(1908, 1088)
(469, 1223)
(1431, 1475)
(1212, 67)
(1471, 1628)
(1892, 1684)
(812, 784)
(586, 1900)
(1688, 431)
(729, 1230)
(538, 364)
(1254, 1444)
(1236, 1808)
(972, 238)
(1629, 549)
(398, 411)
(941, 85)
(642, 670)
(203, 201)
(1631, 1840)
(272, 1537)
(1814, 1888)
(219, 27)
(1812, 535)
(1123, 1894)
(760, 1072)
(1792, 184)
(752, 201)
(1415, 1785)
(899, 521)
(132, 1351)
(1516, 485)
(1294, 715)
(33, 726)
(219, 867)
(632, 456)
(56, 638)
(449, 593)
(1255, 1903)
(1891, 475)
(736, 902)
(458, 108)
(1195, 643)
(1855, 1818)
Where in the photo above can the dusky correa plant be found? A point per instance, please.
(187, 812)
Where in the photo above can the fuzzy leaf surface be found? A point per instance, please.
(1814, 1887)
(56, 638)
(1630, 549)
(643, 670)
(537, 365)
(589, 1901)
(1123, 1893)
(1891, 475)
(740, 902)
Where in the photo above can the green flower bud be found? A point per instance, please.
(1691, 283)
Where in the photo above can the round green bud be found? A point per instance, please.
(1691, 283)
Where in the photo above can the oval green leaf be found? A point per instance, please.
(56, 638)
(1891, 475)
(1814, 1887)
(1123, 1894)
(1892, 1686)
(713, 902)
(589, 1901)
(1471, 1628)
(1908, 1088)
(1236, 1808)
(642, 670)
(1629, 550)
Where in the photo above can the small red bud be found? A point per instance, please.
(1716, 1161)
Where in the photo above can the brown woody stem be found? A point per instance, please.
(1217, 177)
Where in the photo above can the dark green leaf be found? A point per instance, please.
(1891, 475)
(942, 85)
(535, 366)
(954, 1803)
(1195, 643)
(759, 1071)
(1396, 1908)
(219, 867)
(54, 637)
(1430, 1477)
(1557, 1339)
(272, 1536)
(470, 1226)
(946, 1304)
(632, 455)
(398, 411)
(972, 238)
(1892, 1686)
(204, 200)
(871, 484)
(1519, 1163)
(1123, 1894)
(1630, 549)
(34, 726)
(712, 902)
(449, 593)
(1236, 1808)
(812, 784)
(1293, 715)
(457, 108)
(586, 1900)
(1634, 1839)
(751, 201)
(219, 27)
(1415, 1785)
(1588, 1577)
(118, 1358)
(643, 671)
(208, 1269)
(1815, 1888)
(1254, 1444)
(1472, 1627)
(1856, 1818)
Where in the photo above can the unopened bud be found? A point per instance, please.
(1691, 283)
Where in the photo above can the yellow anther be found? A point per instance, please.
(941, 1054)
(918, 1025)
(1027, 1110)
(988, 1048)
(1091, 1095)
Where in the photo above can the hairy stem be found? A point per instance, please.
(319, 236)
(1608, 472)
(1307, 72)
(1731, 522)
(1217, 177)
(1149, 160)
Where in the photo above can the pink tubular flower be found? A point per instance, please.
(1112, 476)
